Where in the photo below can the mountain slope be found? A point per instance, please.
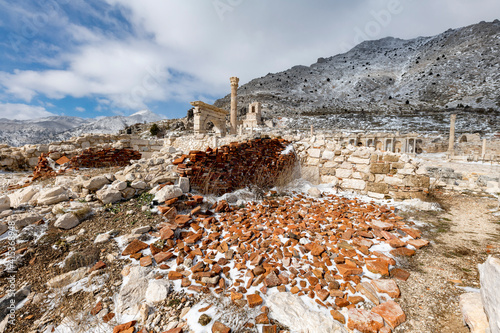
(458, 67)
(59, 128)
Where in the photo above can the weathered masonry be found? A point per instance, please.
(206, 115)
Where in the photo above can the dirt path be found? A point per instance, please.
(462, 236)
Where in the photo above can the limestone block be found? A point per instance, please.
(33, 161)
(330, 164)
(314, 152)
(355, 184)
(65, 279)
(357, 175)
(327, 179)
(376, 195)
(119, 185)
(391, 158)
(358, 160)
(67, 148)
(417, 181)
(22, 196)
(132, 292)
(339, 158)
(312, 161)
(394, 181)
(327, 171)
(43, 148)
(380, 168)
(311, 174)
(6, 162)
(139, 184)
(363, 168)
(158, 290)
(184, 184)
(378, 188)
(96, 183)
(52, 196)
(398, 165)
(3, 228)
(168, 192)
(67, 221)
(343, 173)
(362, 153)
(291, 311)
(128, 193)
(4, 203)
(328, 155)
(346, 165)
(489, 276)
(24, 219)
(108, 195)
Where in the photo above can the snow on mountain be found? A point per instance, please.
(457, 69)
(58, 128)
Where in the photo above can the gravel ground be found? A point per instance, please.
(462, 236)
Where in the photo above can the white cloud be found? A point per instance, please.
(23, 111)
(80, 109)
(208, 44)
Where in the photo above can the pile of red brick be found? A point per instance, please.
(43, 168)
(102, 158)
(90, 158)
(321, 249)
(237, 165)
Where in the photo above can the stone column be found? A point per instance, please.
(451, 146)
(483, 153)
(312, 131)
(234, 103)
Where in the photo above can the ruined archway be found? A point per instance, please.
(206, 115)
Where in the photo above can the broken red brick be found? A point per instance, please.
(134, 247)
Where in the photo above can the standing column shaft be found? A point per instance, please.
(451, 146)
(234, 103)
(483, 153)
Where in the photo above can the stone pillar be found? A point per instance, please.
(483, 153)
(451, 146)
(312, 131)
(234, 104)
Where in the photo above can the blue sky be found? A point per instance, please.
(105, 57)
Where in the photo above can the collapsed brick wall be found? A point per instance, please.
(90, 158)
(27, 157)
(257, 162)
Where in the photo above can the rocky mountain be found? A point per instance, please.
(58, 128)
(457, 69)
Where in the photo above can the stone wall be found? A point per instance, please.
(364, 170)
(26, 157)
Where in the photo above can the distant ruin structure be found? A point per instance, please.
(207, 116)
(254, 116)
(451, 146)
(234, 104)
(391, 142)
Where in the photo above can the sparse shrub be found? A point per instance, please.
(154, 130)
